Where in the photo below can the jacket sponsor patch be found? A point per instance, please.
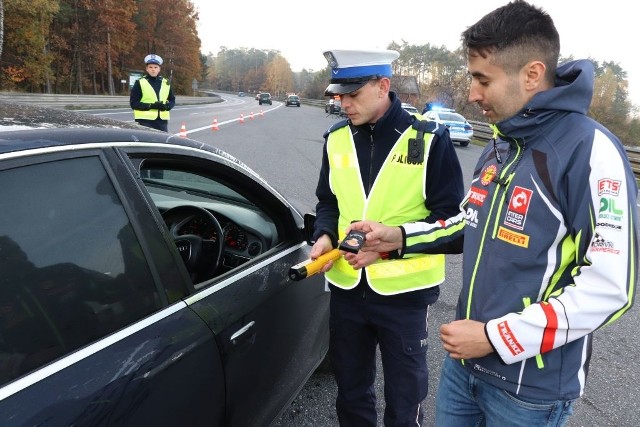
(513, 237)
(487, 175)
(609, 186)
(600, 244)
(509, 339)
(477, 195)
(516, 213)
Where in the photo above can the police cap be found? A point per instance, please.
(351, 69)
(152, 58)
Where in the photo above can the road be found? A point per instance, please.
(284, 145)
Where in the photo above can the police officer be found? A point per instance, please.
(381, 164)
(151, 97)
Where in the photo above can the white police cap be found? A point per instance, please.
(351, 69)
(153, 59)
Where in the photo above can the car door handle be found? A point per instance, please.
(241, 331)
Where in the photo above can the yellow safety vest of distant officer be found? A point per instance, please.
(393, 276)
(151, 97)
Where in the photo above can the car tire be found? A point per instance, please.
(464, 143)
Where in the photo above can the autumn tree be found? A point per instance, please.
(26, 58)
(171, 33)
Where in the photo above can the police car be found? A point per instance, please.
(460, 129)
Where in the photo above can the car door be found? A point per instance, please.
(93, 328)
(271, 332)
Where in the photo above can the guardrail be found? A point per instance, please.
(483, 133)
(70, 102)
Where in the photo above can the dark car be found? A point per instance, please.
(264, 98)
(292, 100)
(145, 280)
(333, 106)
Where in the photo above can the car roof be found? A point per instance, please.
(26, 127)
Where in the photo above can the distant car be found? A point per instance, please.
(333, 106)
(144, 280)
(460, 129)
(410, 108)
(240, 93)
(264, 98)
(292, 100)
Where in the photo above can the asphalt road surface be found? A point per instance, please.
(284, 145)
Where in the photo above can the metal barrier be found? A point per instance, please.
(482, 132)
(92, 101)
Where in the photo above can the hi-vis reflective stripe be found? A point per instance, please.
(343, 161)
(393, 268)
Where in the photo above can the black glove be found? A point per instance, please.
(156, 106)
(164, 106)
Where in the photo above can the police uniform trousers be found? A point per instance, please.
(158, 124)
(361, 320)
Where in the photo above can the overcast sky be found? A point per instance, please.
(603, 30)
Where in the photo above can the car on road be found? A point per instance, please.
(292, 100)
(460, 129)
(264, 98)
(240, 94)
(409, 108)
(333, 106)
(145, 280)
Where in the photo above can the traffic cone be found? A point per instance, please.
(215, 124)
(241, 118)
(183, 130)
(261, 113)
(251, 115)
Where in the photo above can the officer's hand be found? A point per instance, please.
(322, 245)
(163, 106)
(361, 259)
(157, 105)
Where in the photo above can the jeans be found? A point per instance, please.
(465, 400)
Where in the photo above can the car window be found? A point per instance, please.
(453, 117)
(72, 268)
(245, 229)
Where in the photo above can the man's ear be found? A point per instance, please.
(535, 76)
(385, 86)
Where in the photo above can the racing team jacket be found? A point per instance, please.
(550, 243)
(444, 187)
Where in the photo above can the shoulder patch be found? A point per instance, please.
(340, 124)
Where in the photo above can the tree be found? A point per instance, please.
(26, 60)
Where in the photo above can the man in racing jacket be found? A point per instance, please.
(550, 246)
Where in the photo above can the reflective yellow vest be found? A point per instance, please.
(149, 97)
(396, 197)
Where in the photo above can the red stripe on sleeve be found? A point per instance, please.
(548, 338)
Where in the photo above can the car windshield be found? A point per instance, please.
(452, 117)
(179, 181)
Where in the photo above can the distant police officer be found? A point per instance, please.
(151, 97)
(386, 165)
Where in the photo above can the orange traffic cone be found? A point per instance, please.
(261, 113)
(251, 115)
(215, 124)
(241, 118)
(183, 130)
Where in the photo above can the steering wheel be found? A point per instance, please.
(199, 238)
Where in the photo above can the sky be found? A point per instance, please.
(301, 31)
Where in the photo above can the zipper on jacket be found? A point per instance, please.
(503, 181)
(370, 183)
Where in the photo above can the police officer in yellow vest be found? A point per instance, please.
(151, 97)
(386, 165)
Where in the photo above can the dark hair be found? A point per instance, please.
(515, 34)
